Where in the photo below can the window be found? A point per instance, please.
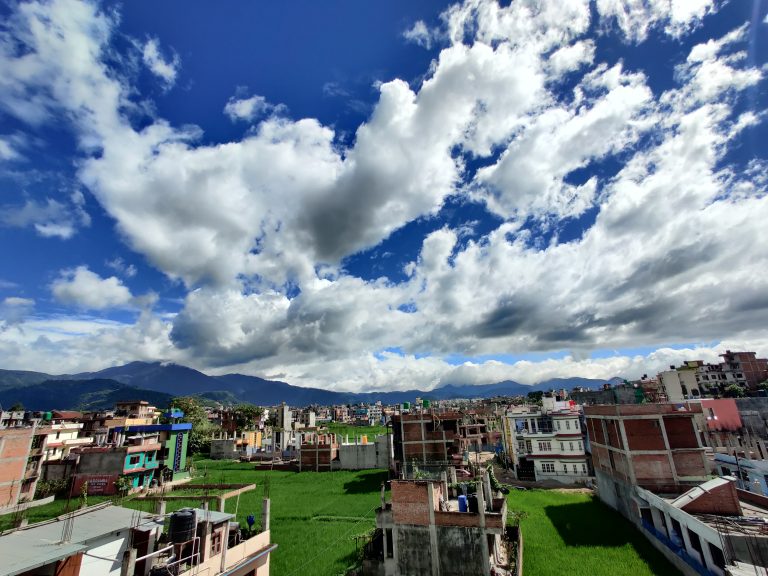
(576, 424)
(558, 424)
(695, 541)
(717, 556)
(562, 447)
(565, 468)
(390, 544)
(548, 467)
(570, 446)
(545, 446)
(575, 469)
(580, 446)
(134, 459)
(584, 468)
(567, 424)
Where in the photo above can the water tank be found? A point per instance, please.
(462, 503)
(425, 403)
(48, 416)
(406, 405)
(472, 504)
(182, 526)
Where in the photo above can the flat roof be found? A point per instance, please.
(40, 544)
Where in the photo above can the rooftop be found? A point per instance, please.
(40, 544)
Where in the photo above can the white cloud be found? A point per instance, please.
(14, 310)
(51, 218)
(674, 255)
(85, 289)
(419, 34)
(247, 108)
(166, 70)
(635, 18)
(119, 265)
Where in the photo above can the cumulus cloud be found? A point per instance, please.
(49, 218)
(14, 310)
(85, 289)
(248, 109)
(257, 228)
(166, 70)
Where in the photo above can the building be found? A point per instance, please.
(750, 475)
(546, 443)
(173, 440)
(744, 368)
(423, 530)
(107, 540)
(424, 438)
(711, 529)
(364, 453)
(654, 446)
(679, 384)
(21, 457)
(100, 466)
(62, 437)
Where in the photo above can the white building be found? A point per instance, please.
(679, 384)
(546, 443)
(62, 438)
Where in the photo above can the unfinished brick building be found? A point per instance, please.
(422, 531)
(431, 439)
(21, 454)
(318, 452)
(654, 446)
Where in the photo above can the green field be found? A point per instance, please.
(316, 516)
(344, 429)
(575, 534)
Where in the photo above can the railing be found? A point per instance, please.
(677, 549)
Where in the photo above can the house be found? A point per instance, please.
(21, 457)
(108, 540)
(546, 443)
(423, 530)
(710, 529)
(654, 446)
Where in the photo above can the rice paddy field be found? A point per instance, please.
(353, 431)
(319, 519)
(576, 534)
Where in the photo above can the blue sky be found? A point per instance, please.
(383, 194)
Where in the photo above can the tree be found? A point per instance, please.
(202, 429)
(247, 416)
(733, 391)
(535, 396)
(17, 407)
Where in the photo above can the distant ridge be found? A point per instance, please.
(168, 380)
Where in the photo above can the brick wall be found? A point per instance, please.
(680, 432)
(410, 502)
(719, 500)
(689, 463)
(14, 450)
(644, 435)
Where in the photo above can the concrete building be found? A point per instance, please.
(318, 452)
(64, 436)
(173, 440)
(100, 466)
(421, 530)
(744, 368)
(654, 446)
(546, 443)
(711, 529)
(426, 438)
(679, 384)
(107, 540)
(21, 456)
(364, 454)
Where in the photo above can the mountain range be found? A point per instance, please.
(158, 382)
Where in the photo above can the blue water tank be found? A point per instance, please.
(462, 503)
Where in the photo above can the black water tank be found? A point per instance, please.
(472, 504)
(182, 526)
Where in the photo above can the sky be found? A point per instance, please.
(383, 195)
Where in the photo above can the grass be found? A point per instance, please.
(344, 429)
(48, 511)
(314, 515)
(576, 534)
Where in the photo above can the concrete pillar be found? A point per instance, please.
(224, 544)
(452, 474)
(707, 560)
(486, 553)
(222, 503)
(444, 484)
(488, 491)
(433, 551)
(160, 507)
(265, 515)
(687, 544)
(128, 566)
(657, 521)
